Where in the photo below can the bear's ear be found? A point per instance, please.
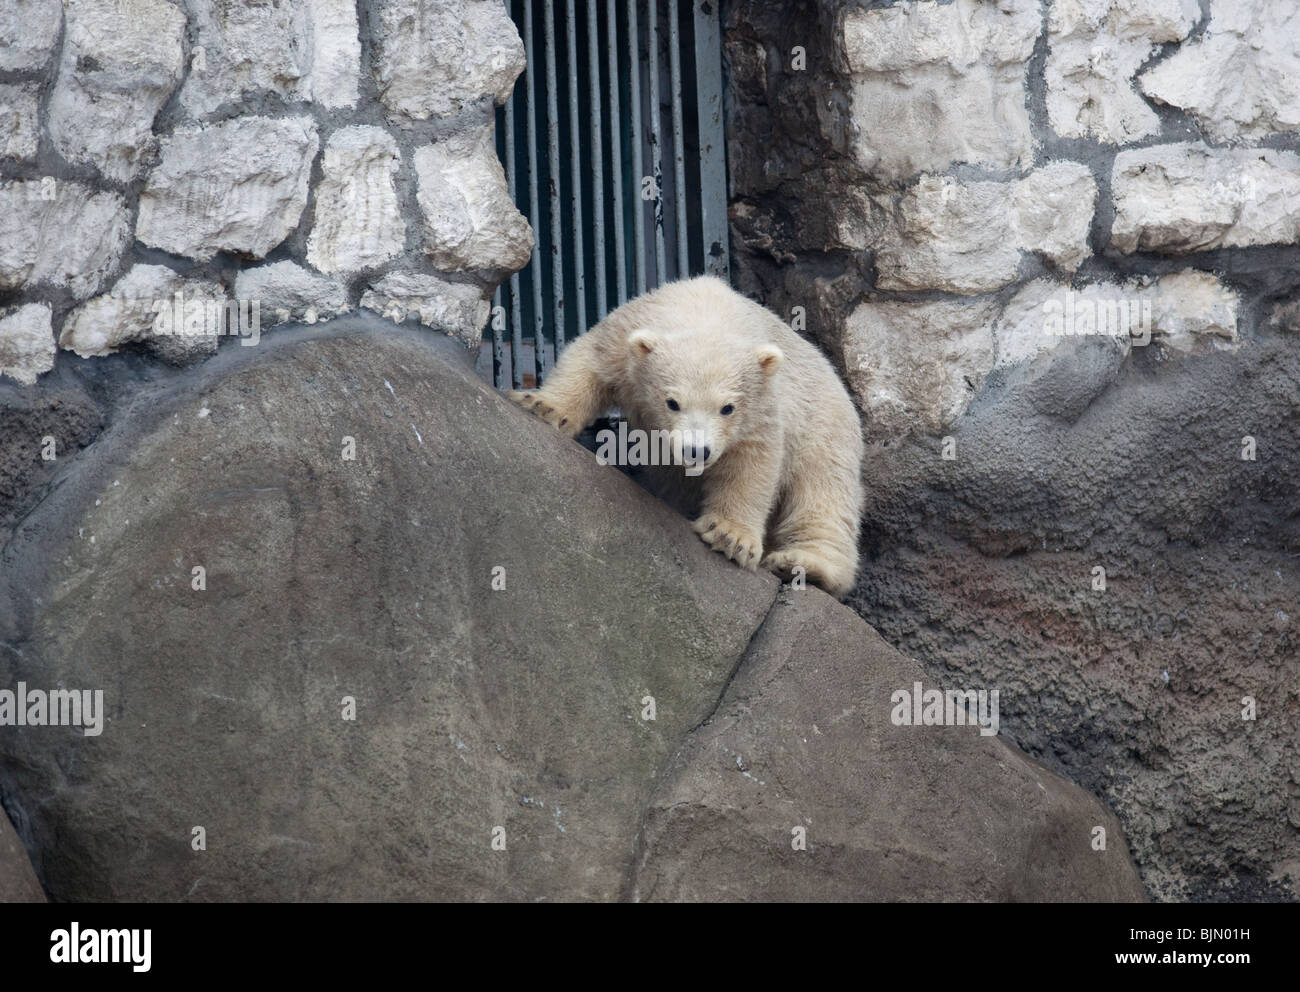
(642, 342)
(769, 358)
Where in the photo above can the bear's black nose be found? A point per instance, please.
(694, 454)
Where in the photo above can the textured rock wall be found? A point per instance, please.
(286, 160)
(401, 681)
(1053, 246)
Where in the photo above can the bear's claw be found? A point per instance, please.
(535, 402)
(740, 544)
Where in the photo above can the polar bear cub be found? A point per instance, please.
(770, 430)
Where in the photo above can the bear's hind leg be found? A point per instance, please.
(821, 565)
(817, 530)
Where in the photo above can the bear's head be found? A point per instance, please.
(708, 390)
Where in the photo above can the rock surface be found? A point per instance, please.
(18, 127)
(1241, 79)
(1094, 51)
(72, 413)
(17, 880)
(26, 342)
(28, 32)
(358, 221)
(285, 291)
(143, 306)
(457, 307)
(61, 234)
(1189, 197)
(984, 567)
(935, 84)
(802, 738)
(336, 53)
(296, 49)
(470, 222)
(916, 362)
(237, 186)
(964, 237)
(1184, 312)
(432, 59)
(370, 581)
(121, 60)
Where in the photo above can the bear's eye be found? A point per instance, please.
(728, 410)
(672, 405)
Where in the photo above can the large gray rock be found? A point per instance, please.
(372, 579)
(804, 738)
(17, 880)
(522, 708)
(985, 566)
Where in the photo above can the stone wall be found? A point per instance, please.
(956, 199)
(281, 161)
(986, 157)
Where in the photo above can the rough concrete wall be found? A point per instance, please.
(287, 160)
(959, 201)
(661, 743)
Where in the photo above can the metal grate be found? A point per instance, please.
(613, 148)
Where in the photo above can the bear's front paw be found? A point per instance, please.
(741, 544)
(539, 403)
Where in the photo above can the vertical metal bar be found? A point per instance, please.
(553, 149)
(597, 159)
(638, 164)
(616, 156)
(516, 316)
(656, 141)
(539, 316)
(498, 345)
(713, 151)
(679, 149)
(575, 178)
